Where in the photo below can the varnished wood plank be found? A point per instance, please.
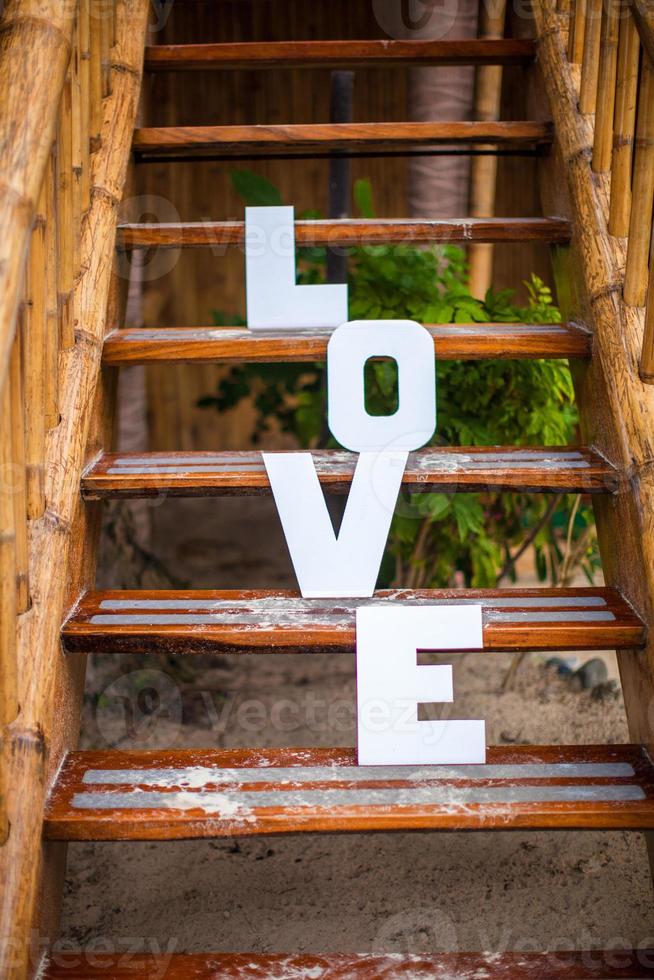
(462, 341)
(337, 54)
(181, 622)
(184, 142)
(172, 794)
(352, 231)
(446, 470)
(565, 965)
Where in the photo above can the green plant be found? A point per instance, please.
(437, 539)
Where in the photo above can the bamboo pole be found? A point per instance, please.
(34, 53)
(114, 23)
(603, 143)
(483, 169)
(647, 354)
(18, 472)
(95, 58)
(77, 156)
(640, 223)
(576, 35)
(591, 56)
(60, 566)
(8, 603)
(51, 391)
(105, 24)
(623, 127)
(65, 218)
(8, 590)
(85, 100)
(35, 333)
(615, 407)
(644, 16)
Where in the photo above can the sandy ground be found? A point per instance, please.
(420, 892)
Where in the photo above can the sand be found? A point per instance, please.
(354, 893)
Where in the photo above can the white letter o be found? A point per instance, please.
(411, 346)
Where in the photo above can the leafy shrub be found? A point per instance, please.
(434, 536)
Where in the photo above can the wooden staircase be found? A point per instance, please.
(187, 793)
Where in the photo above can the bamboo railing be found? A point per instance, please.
(75, 105)
(50, 113)
(613, 41)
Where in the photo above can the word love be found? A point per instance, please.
(391, 684)
(347, 565)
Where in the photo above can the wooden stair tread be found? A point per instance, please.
(469, 341)
(194, 621)
(175, 142)
(183, 793)
(251, 55)
(194, 474)
(566, 965)
(346, 232)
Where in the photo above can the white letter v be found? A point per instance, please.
(327, 566)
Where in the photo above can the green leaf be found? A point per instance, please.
(363, 198)
(256, 191)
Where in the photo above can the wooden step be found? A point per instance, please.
(452, 342)
(337, 54)
(613, 964)
(184, 793)
(281, 622)
(352, 232)
(202, 474)
(324, 139)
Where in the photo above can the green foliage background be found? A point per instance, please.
(437, 539)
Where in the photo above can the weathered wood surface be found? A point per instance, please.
(190, 142)
(452, 342)
(562, 469)
(34, 55)
(170, 794)
(61, 541)
(590, 965)
(190, 621)
(337, 54)
(352, 231)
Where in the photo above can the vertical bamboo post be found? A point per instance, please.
(623, 127)
(603, 144)
(8, 600)
(35, 334)
(65, 219)
(483, 169)
(647, 353)
(114, 23)
(640, 223)
(95, 57)
(8, 591)
(18, 461)
(590, 60)
(105, 19)
(576, 36)
(85, 99)
(51, 391)
(77, 151)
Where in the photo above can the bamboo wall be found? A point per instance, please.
(183, 288)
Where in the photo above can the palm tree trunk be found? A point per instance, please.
(438, 186)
